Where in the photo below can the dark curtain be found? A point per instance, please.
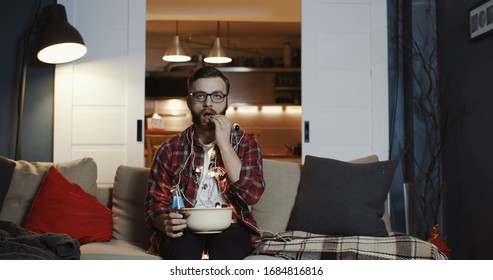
(414, 115)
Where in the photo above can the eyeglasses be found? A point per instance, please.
(200, 96)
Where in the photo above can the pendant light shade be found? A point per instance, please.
(58, 41)
(217, 53)
(176, 52)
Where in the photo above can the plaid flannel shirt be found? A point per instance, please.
(173, 164)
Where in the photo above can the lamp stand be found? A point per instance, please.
(20, 109)
(22, 91)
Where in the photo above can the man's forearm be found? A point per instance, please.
(232, 163)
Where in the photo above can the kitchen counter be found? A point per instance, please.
(155, 137)
(282, 157)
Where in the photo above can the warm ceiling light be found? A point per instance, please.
(272, 109)
(176, 52)
(59, 42)
(217, 53)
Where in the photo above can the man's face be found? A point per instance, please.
(201, 111)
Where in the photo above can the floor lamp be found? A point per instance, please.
(56, 42)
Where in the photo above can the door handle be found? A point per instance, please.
(139, 130)
(307, 131)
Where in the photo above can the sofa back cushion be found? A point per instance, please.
(129, 192)
(281, 185)
(27, 178)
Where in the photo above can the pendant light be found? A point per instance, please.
(59, 42)
(217, 53)
(176, 52)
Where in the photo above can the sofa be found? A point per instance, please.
(123, 233)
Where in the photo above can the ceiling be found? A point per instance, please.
(225, 10)
(253, 18)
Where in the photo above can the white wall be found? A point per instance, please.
(345, 78)
(99, 98)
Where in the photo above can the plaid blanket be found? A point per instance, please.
(297, 245)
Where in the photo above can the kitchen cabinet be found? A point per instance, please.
(264, 86)
(287, 89)
(249, 86)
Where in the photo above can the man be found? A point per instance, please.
(210, 163)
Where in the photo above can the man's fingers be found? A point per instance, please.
(175, 230)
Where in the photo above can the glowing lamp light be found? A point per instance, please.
(62, 53)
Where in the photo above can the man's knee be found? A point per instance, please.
(187, 247)
(233, 243)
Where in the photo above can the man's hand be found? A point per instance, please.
(223, 130)
(171, 224)
(223, 133)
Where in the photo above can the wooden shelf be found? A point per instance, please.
(261, 69)
(287, 88)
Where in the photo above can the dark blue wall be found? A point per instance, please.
(15, 20)
(466, 74)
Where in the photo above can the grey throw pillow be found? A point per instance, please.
(342, 198)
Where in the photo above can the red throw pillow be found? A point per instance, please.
(63, 207)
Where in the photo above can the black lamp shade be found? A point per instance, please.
(58, 41)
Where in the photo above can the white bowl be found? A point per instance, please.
(209, 220)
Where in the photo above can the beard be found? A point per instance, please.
(202, 120)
